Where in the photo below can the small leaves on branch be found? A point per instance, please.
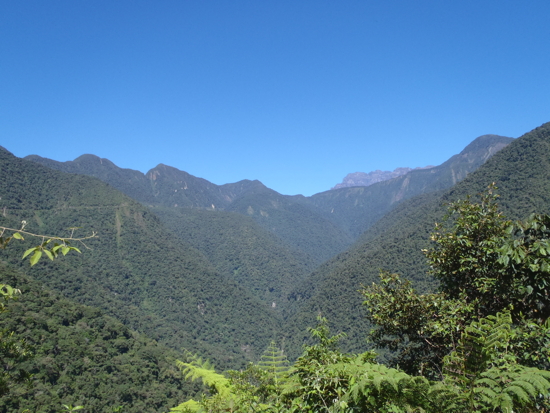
(51, 246)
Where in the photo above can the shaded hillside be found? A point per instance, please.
(83, 357)
(136, 270)
(174, 188)
(356, 209)
(394, 243)
(242, 250)
(297, 225)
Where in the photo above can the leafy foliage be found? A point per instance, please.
(83, 357)
(477, 279)
(312, 385)
(488, 359)
(50, 246)
(487, 373)
(395, 241)
(417, 329)
(491, 261)
(274, 362)
(243, 391)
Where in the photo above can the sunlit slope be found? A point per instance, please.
(135, 270)
(82, 355)
(394, 243)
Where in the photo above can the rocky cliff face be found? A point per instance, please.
(366, 179)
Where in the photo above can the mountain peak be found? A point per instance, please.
(367, 179)
(482, 147)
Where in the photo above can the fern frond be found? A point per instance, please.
(486, 394)
(520, 393)
(503, 402)
(199, 369)
(190, 406)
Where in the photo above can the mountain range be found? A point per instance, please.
(221, 270)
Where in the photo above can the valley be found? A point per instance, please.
(182, 264)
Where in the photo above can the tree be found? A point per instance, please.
(244, 391)
(483, 373)
(485, 264)
(464, 348)
(313, 385)
(491, 261)
(274, 362)
(417, 329)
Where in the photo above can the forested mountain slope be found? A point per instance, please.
(136, 270)
(82, 357)
(241, 249)
(162, 185)
(298, 227)
(132, 183)
(394, 243)
(320, 226)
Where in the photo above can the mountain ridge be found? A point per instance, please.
(136, 271)
(311, 230)
(395, 242)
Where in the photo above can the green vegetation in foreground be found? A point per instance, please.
(492, 364)
(480, 344)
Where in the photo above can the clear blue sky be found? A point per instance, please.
(294, 93)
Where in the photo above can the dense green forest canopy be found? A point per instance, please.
(241, 250)
(81, 356)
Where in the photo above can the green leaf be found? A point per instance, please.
(28, 252)
(36, 257)
(65, 249)
(17, 235)
(49, 254)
